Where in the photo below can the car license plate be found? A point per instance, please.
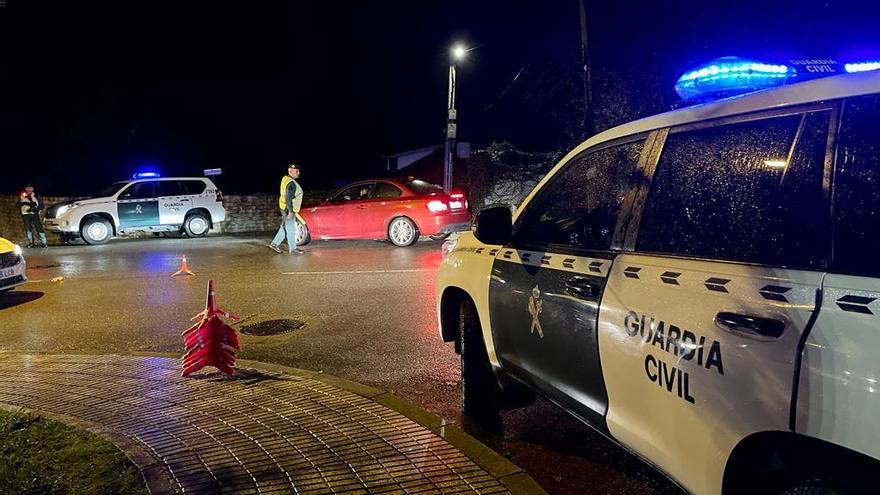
(7, 273)
(455, 205)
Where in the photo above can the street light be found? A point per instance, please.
(458, 53)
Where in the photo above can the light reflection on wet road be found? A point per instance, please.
(369, 316)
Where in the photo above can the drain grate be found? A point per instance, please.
(271, 327)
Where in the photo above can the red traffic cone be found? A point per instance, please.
(210, 342)
(184, 269)
(211, 308)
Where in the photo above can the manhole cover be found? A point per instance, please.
(271, 327)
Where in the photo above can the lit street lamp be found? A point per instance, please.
(457, 54)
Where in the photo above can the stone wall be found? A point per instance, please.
(244, 213)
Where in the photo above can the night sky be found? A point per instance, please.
(92, 91)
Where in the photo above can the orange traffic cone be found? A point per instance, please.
(184, 270)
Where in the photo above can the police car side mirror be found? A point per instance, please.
(494, 225)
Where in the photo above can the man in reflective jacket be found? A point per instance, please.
(30, 204)
(289, 202)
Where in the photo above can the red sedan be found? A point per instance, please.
(399, 211)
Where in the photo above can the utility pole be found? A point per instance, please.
(585, 60)
(451, 132)
(458, 53)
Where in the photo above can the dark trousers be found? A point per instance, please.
(31, 223)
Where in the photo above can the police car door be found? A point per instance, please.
(138, 205)
(700, 323)
(546, 285)
(837, 398)
(173, 202)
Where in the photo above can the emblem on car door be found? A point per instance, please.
(138, 209)
(536, 305)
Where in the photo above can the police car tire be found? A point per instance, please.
(85, 231)
(66, 237)
(190, 219)
(480, 392)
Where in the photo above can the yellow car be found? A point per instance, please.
(12, 266)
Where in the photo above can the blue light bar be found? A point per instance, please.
(862, 66)
(728, 76)
(146, 175)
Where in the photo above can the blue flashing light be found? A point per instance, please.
(146, 175)
(728, 76)
(862, 66)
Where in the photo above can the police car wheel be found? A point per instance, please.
(402, 232)
(66, 237)
(196, 225)
(96, 231)
(302, 234)
(480, 392)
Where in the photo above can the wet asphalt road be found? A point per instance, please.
(368, 314)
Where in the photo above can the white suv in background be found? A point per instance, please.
(188, 205)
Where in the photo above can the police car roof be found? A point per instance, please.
(828, 88)
(152, 179)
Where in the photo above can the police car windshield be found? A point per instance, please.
(423, 187)
(111, 189)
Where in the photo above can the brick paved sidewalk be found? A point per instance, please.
(260, 432)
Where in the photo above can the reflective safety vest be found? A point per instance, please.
(282, 197)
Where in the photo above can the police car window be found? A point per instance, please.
(384, 190)
(749, 192)
(579, 206)
(139, 190)
(168, 188)
(857, 189)
(192, 187)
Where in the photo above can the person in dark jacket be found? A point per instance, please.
(30, 204)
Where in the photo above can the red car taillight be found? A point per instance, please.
(437, 206)
(457, 200)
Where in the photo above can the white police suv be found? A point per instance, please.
(147, 203)
(701, 286)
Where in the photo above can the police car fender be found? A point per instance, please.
(72, 219)
(468, 268)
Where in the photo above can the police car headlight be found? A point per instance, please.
(16, 249)
(64, 209)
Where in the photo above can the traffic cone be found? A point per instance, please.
(184, 270)
(210, 342)
(211, 308)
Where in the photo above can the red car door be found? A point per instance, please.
(383, 204)
(342, 216)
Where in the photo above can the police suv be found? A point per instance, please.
(145, 204)
(701, 286)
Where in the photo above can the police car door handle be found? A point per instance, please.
(582, 287)
(184, 199)
(755, 325)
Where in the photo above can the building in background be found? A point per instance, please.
(427, 163)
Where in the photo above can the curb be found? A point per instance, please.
(509, 474)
